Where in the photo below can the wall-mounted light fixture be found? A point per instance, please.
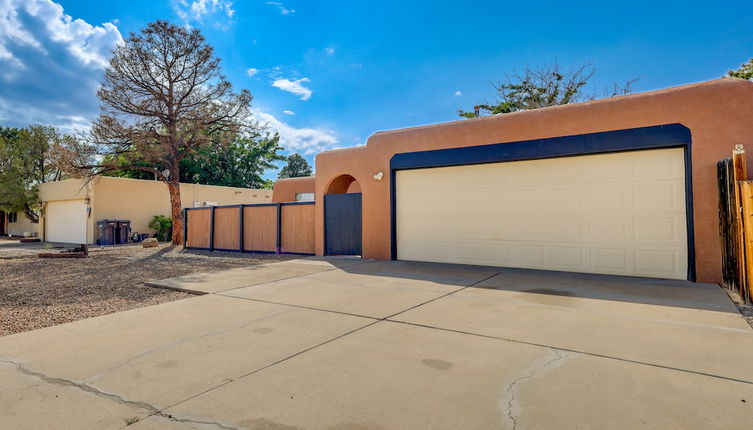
(379, 176)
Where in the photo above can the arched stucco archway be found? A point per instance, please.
(343, 184)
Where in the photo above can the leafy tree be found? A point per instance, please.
(744, 72)
(164, 98)
(27, 159)
(543, 87)
(241, 163)
(297, 166)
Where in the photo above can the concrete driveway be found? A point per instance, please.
(345, 344)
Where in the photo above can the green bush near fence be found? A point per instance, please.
(163, 227)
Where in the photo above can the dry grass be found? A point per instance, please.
(36, 293)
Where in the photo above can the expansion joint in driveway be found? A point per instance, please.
(440, 297)
(282, 360)
(389, 318)
(576, 351)
(285, 279)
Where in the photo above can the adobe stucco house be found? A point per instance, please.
(16, 224)
(625, 185)
(71, 208)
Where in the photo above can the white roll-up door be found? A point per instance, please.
(65, 221)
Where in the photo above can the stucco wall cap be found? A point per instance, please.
(724, 83)
(342, 150)
(298, 179)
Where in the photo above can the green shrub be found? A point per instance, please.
(163, 226)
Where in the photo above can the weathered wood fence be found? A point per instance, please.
(282, 228)
(736, 224)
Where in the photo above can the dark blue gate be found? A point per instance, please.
(342, 224)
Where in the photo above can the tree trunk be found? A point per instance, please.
(31, 215)
(176, 210)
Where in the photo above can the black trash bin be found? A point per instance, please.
(106, 229)
(122, 231)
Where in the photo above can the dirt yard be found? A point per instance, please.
(36, 293)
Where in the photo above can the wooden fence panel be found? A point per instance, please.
(297, 223)
(199, 224)
(746, 200)
(260, 228)
(227, 228)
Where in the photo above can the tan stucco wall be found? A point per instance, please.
(21, 226)
(718, 113)
(286, 189)
(139, 200)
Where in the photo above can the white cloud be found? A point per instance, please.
(329, 51)
(252, 71)
(458, 93)
(295, 87)
(283, 10)
(50, 64)
(303, 140)
(288, 112)
(197, 10)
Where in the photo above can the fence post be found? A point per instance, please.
(278, 248)
(241, 245)
(211, 229)
(185, 227)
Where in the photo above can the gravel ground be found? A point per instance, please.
(747, 312)
(36, 293)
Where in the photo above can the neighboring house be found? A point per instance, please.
(624, 185)
(71, 208)
(16, 224)
(294, 189)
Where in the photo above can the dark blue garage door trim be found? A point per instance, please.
(633, 139)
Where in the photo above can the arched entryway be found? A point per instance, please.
(342, 217)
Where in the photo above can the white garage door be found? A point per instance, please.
(65, 221)
(621, 213)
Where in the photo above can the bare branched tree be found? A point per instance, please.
(543, 87)
(163, 97)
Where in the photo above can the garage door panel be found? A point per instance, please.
(652, 165)
(608, 198)
(567, 199)
(615, 168)
(569, 257)
(608, 229)
(555, 214)
(606, 260)
(567, 229)
(657, 197)
(497, 252)
(657, 260)
(531, 228)
(662, 229)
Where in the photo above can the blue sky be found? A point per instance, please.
(328, 74)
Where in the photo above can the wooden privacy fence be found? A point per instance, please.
(282, 228)
(736, 223)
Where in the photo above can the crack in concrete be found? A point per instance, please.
(152, 410)
(192, 421)
(512, 387)
(81, 386)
